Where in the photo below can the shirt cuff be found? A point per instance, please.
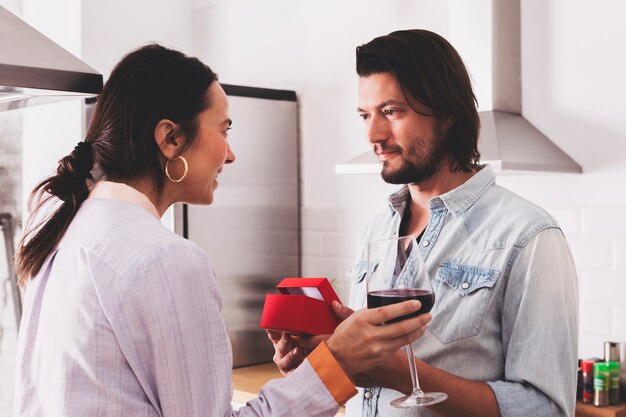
(331, 374)
(516, 399)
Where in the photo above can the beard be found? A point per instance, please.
(419, 162)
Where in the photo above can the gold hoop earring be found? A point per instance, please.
(184, 173)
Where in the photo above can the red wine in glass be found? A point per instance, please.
(401, 258)
(380, 298)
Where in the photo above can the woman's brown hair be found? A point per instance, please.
(149, 84)
(430, 71)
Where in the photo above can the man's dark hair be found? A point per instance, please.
(430, 71)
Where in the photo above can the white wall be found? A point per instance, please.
(573, 87)
(113, 28)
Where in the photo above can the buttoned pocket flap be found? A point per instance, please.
(466, 279)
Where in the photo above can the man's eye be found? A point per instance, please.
(389, 112)
(363, 116)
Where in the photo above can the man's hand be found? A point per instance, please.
(360, 342)
(393, 373)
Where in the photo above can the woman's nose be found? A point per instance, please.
(230, 156)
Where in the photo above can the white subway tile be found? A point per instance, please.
(355, 219)
(591, 253)
(603, 287)
(619, 320)
(314, 267)
(595, 320)
(591, 347)
(312, 243)
(340, 244)
(604, 221)
(619, 255)
(350, 219)
(316, 218)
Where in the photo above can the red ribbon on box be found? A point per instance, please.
(302, 307)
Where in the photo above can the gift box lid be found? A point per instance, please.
(318, 288)
(302, 307)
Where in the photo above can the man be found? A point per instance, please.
(503, 338)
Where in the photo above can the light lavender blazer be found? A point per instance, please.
(124, 320)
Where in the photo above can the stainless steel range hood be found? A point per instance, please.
(35, 70)
(507, 140)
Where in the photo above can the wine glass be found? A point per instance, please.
(396, 273)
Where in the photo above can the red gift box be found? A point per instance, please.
(302, 307)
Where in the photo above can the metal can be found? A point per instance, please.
(612, 357)
(611, 352)
(601, 384)
(614, 386)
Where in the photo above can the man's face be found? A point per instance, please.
(409, 145)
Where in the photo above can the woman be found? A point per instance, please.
(121, 316)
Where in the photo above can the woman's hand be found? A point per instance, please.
(287, 354)
(290, 350)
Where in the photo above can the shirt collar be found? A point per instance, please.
(117, 191)
(457, 200)
(464, 196)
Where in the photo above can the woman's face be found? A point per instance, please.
(210, 151)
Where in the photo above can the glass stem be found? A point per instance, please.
(417, 391)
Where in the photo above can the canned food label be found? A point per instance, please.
(601, 383)
(615, 381)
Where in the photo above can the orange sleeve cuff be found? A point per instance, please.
(332, 375)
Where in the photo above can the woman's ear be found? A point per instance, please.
(169, 143)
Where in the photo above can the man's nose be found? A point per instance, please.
(376, 130)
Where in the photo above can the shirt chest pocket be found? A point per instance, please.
(462, 296)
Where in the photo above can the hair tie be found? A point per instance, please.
(84, 158)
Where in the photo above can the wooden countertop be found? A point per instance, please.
(588, 410)
(248, 381)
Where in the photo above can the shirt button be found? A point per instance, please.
(368, 394)
(465, 285)
(426, 243)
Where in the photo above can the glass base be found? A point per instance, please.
(419, 400)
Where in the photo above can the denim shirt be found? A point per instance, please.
(506, 309)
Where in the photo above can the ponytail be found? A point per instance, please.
(69, 185)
